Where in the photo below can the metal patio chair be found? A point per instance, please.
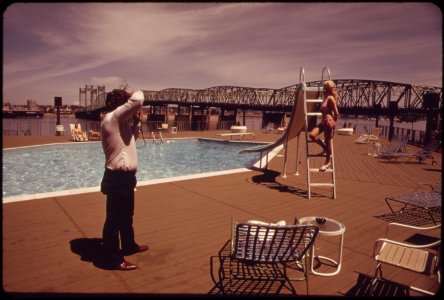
(427, 151)
(263, 252)
(421, 258)
(395, 149)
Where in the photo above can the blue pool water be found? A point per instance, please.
(61, 167)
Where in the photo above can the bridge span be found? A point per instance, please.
(355, 96)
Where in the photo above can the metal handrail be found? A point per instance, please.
(328, 70)
(302, 75)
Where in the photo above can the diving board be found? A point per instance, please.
(240, 134)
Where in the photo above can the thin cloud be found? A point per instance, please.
(153, 46)
(114, 81)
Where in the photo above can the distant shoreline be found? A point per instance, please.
(54, 115)
(251, 121)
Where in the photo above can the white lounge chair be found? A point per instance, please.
(75, 137)
(366, 138)
(280, 130)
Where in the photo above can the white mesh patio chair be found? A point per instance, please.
(263, 252)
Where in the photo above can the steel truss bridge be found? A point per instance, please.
(355, 96)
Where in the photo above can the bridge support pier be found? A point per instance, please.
(277, 118)
(393, 109)
(431, 105)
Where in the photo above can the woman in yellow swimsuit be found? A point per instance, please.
(330, 115)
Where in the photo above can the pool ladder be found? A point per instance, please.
(308, 115)
(160, 137)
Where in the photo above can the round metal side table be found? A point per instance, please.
(331, 227)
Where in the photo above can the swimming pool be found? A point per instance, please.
(59, 167)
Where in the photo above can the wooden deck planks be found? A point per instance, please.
(186, 222)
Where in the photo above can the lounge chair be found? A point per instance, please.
(395, 149)
(262, 251)
(93, 135)
(421, 258)
(270, 128)
(279, 130)
(427, 151)
(366, 138)
(267, 129)
(362, 139)
(74, 137)
(428, 201)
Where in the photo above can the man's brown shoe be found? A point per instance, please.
(139, 248)
(143, 248)
(127, 266)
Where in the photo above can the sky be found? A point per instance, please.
(53, 49)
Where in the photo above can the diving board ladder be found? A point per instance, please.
(315, 95)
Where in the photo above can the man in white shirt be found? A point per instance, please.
(118, 129)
